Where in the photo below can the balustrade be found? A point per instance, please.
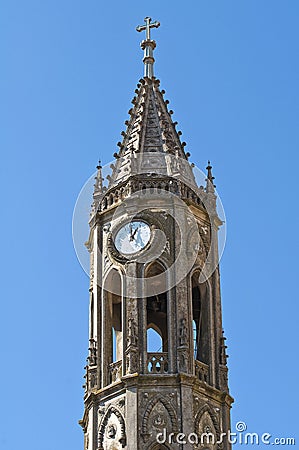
(202, 371)
(157, 363)
(115, 371)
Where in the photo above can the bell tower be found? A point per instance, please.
(154, 280)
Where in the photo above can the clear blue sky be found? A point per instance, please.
(68, 74)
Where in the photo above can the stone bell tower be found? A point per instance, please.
(154, 277)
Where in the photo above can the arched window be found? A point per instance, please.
(113, 317)
(200, 320)
(156, 307)
(154, 341)
(117, 333)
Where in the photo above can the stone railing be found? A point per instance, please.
(118, 193)
(157, 363)
(115, 371)
(202, 371)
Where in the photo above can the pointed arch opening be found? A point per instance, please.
(154, 340)
(157, 320)
(156, 307)
(200, 319)
(207, 424)
(113, 325)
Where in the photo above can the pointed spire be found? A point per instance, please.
(150, 144)
(98, 186)
(98, 191)
(150, 140)
(210, 187)
(148, 46)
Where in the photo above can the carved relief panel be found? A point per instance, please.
(112, 428)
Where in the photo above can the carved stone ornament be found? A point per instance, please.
(183, 333)
(131, 361)
(101, 411)
(159, 421)
(111, 431)
(183, 360)
(132, 338)
(92, 357)
(112, 427)
(121, 402)
(224, 378)
(206, 419)
(92, 379)
(159, 413)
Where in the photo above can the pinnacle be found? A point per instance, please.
(210, 186)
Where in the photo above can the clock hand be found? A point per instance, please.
(133, 235)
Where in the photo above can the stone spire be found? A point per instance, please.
(151, 144)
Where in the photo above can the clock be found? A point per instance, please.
(132, 237)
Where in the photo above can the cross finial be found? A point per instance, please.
(147, 27)
(148, 45)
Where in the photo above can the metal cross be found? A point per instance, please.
(147, 27)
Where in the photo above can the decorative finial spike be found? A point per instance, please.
(98, 186)
(148, 45)
(210, 187)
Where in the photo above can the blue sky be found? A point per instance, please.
(68, 74)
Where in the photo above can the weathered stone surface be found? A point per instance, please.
(132, 394)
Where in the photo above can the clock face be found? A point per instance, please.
(132, 237)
